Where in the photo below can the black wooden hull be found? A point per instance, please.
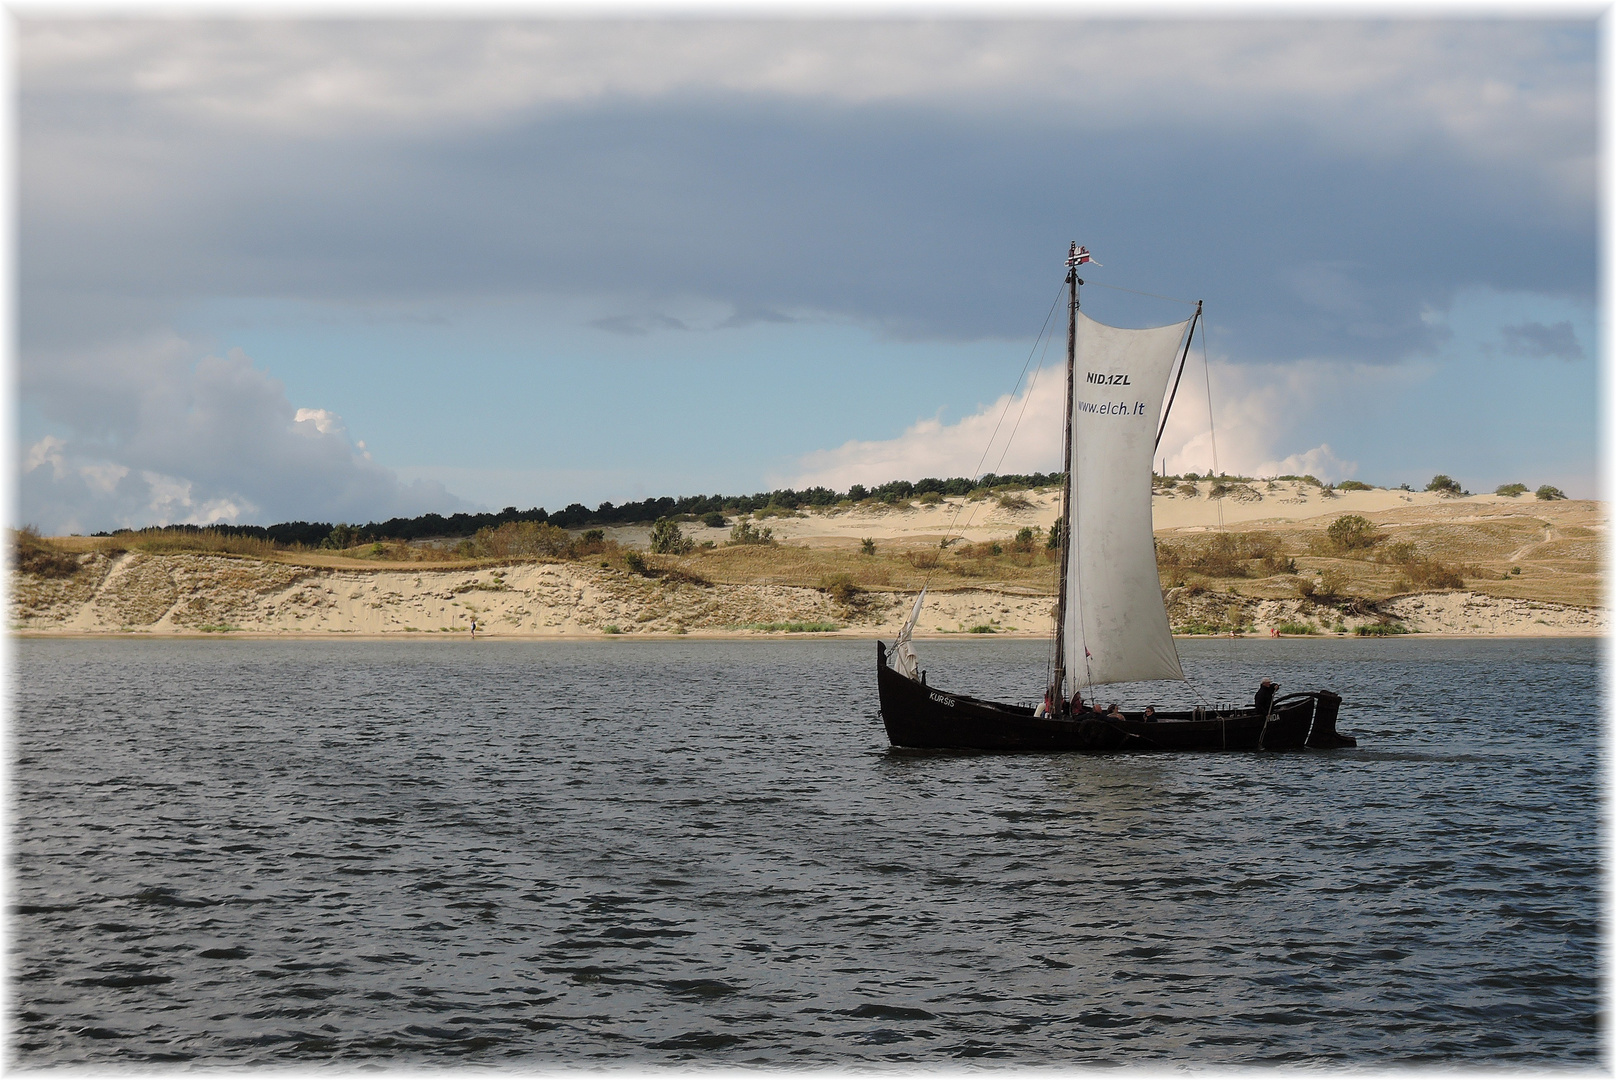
(923, 717)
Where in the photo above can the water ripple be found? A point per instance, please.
(289, 853)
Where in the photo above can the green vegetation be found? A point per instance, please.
(867, 546)
(1353, 532)
(1225, 555)
(1443, 484)
(1549, 493)
(1511, 490)
(981, 628)
(1297, 628)
(667, 539)
(32, 554)
(519, 538)
(1380, 629)
(842, 588)
(635, 562)
(713, 520)
(610, 628)
(1354, 485)
(744, 533)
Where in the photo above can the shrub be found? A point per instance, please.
(635, 562)
(32, 554)
(1354, 485)
(1054, 541)
(1432, 574)
(1026, 539)
(1548, 493)
(1443, 484)
(981, 628)
(668, 539)
(184, 538)
(1352, 532)
(1277, 564)
(517, 538)
(744, 533)
(1331, 585)
(1512, 490)
(1398, 553)
(867, 546)
(1380, 629)
(1297, 628)
(342, 537)
(713, 520)
(1188, 490)
(843, 589)
(1332, 582)
(592, 542)
(1218, 490)
(930, 498)
(1014, 502)
(1222, 555)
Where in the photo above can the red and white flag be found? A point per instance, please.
(1081, 256)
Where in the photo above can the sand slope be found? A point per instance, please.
(189, 593)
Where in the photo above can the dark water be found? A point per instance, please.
(259, 852)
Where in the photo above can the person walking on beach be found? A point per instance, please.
(474, 628)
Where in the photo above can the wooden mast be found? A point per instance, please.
(1072, 281)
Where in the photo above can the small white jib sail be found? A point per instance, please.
(1116, 627)
(902, 654)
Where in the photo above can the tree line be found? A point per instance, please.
(579, 516)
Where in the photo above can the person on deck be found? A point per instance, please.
(1077, 703)
(1150, 714)
(1114, 713)
(1265, 696)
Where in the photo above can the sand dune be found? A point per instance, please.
(192, 593)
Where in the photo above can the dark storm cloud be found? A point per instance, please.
(925, 224)
(1328, 188)
(1537, 340)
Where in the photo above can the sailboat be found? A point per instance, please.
(1110, 623)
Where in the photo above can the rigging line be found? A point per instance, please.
(948, 533)
(1211, 428)
(1136, 292)
(1022, 414)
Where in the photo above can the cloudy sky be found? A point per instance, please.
(337, 270)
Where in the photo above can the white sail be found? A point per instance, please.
(902, 655)
(1116, 626)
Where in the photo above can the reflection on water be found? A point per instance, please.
(267, 852)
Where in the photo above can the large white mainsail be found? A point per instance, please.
(1116, 625)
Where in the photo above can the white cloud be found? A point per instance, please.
(47, 451)
(323, 421)
(1018, 434)
(1261, 412)
(1508, 89)
(158, 440)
